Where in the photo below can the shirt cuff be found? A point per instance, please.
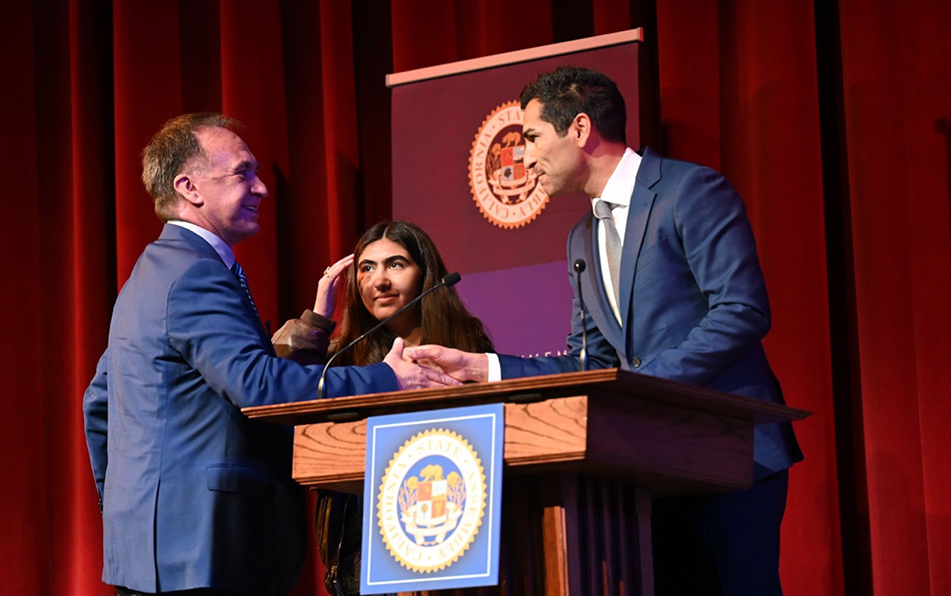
(319, 321)
(495, 369)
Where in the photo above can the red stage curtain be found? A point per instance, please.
(896, 95)
(739, 91)
(833, 121)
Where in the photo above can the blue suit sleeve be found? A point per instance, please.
(718, 244)
(212, 328)
(95, 419)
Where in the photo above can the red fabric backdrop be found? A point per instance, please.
(832, 119)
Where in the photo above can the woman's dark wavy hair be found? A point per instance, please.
(445, 319)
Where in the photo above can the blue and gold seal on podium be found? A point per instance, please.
(432, 500)
(432, 497)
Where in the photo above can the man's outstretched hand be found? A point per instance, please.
(410, 375)
(462, 366)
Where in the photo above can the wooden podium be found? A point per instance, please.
(584, 453)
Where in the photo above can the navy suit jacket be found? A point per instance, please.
(195, 494)
(693, 300)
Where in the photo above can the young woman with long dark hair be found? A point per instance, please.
(392, 263)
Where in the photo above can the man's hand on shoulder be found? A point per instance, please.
(410, 375)
(462, 366)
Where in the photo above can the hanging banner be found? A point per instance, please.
(459, 173)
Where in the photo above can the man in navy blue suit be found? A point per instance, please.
(675, 290)
(196, 497)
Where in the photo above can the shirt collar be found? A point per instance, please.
(224, 251)
(620, 185)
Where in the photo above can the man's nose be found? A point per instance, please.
(529, 156)
(258, 188)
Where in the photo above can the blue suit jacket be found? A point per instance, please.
(693, 300)
(195, 494)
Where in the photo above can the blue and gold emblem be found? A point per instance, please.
(432, 500)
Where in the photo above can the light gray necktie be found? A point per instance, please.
(612, 243)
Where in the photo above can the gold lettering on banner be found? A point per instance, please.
(505, 191)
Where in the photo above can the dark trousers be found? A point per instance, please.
(720, 545)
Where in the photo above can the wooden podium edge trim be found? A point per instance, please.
(555, 49)
(594, 381)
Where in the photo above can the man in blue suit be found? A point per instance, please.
(196, 497)
(675, 291)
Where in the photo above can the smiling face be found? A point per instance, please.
(388, 278)
(557, 160)
(228, 189)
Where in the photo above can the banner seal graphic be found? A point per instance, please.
(504, 189)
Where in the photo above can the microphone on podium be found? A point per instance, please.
(579, 267)
(450, 280)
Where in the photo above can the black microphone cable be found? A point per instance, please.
(450, 280)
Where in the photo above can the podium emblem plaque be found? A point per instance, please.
(432, 499)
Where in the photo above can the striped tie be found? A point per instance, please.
(243, 280)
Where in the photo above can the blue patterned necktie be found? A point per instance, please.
(243, 280)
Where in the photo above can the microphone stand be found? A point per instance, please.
(579, 266)
(450, 280)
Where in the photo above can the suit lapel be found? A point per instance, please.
(642, 201)
(173, 232)
(591, 282)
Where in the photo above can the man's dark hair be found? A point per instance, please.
(570, 90)
(173, 148)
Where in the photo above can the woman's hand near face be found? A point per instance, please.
(329, 285)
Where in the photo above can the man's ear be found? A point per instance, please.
(185, 186)
(580, 129)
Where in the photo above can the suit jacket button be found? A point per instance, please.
(636, 362)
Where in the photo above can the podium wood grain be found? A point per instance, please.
(672, 448)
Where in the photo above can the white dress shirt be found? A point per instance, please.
(618, 192)
(224, 251)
